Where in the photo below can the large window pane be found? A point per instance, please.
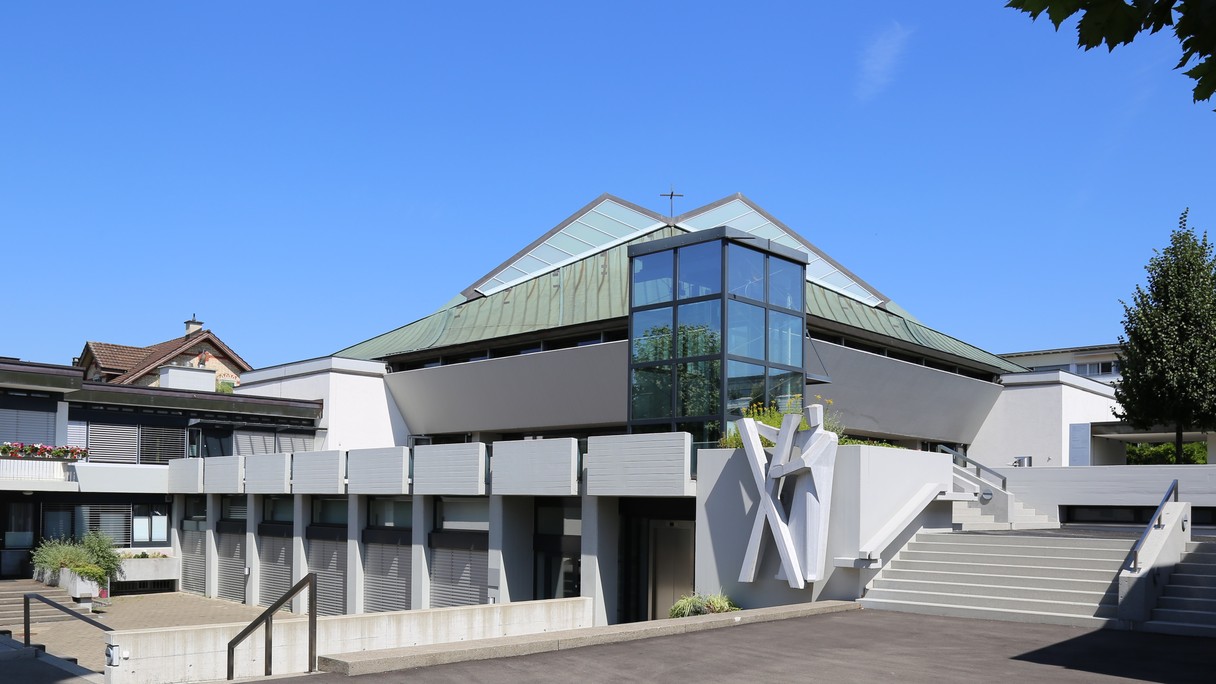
(745, 336)
(699, 383)
(651, 392)
(744, 386)
(745, 272)
(652, 335)
(652, 276)
(786, 283)
(702, 433)
(700, 329)
(785, 339)
(700, 270)
(785, 389)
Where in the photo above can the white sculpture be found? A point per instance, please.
(804, 460)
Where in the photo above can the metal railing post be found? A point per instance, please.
(27, 619)
(270, 644)
(267, 618)
(312, 621)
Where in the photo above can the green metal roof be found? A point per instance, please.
(596, 288)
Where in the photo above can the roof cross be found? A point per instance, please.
(671, 195)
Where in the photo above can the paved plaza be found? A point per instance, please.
(73, 638)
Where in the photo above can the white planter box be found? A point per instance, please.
(145, 569)
(77, 586)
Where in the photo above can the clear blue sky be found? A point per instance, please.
(306, 175)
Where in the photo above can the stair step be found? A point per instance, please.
(947, 545)
(1182, 591)
(1205, 557)
(1179, 628)
(1102, 585)
(968, 526)
(1048, 593)
(1032, 540)
(1017, 570)
(1086, 609)
(1008, 559)
(1193, 617)
(985, 613)
(1195, 569)
(1183, 579)
(1187, 603)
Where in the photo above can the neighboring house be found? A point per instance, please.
(120, 364)
(1098, 362)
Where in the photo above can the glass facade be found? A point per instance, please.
(715, 326)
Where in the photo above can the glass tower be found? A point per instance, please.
(716, 323)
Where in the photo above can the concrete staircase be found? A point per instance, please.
(1041, 578)
(969, 517)
(12, 603)
(1188, 602)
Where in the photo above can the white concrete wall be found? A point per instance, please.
(535, 467)
(122, 478)
(187, 378)
(870, 485)
(1046, 489)
(1032, 417)
(359, 411)
(197, 654)
(640, 465)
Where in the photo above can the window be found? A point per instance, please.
(150, 524)
(1098, 368)
(280, 509)
(329, 511)
(396, 512)
(700, 270)
(652, 335)
(745, 272)
(462, 514)
(652, 276)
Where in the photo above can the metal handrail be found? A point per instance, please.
(1133, 557)
(60, 607)
(963, 461)
(309, 582)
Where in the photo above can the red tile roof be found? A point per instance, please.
(135, 362)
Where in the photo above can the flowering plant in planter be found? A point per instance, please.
(43, 451)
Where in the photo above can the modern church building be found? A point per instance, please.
(552, 432)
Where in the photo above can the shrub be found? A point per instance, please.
(91, 572)
(100, 548)
(699, 604)
(53, 554)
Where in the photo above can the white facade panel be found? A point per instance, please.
(378, 471)
(78, 433)
(535, 467)
(186, 476)
(224, 475)
(113, 443)
(268, 474)
(318, 472)
(454, 469)
(640, 465)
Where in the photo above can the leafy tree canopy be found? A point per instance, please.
(1168, 355)
(1118, 22)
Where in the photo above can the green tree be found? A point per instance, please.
(1158, 454)
(1168, 356)
(1117, 22)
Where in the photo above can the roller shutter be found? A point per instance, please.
(27, 427)
(161, 444)
(328, 560)
(289, 443)
(249, 443)
(275, 569)
(459, 577)
(194, 562)
(78, 433)
(113, 443)
(386, 577)
(231, 550)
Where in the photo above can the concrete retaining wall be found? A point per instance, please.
(196, 654)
